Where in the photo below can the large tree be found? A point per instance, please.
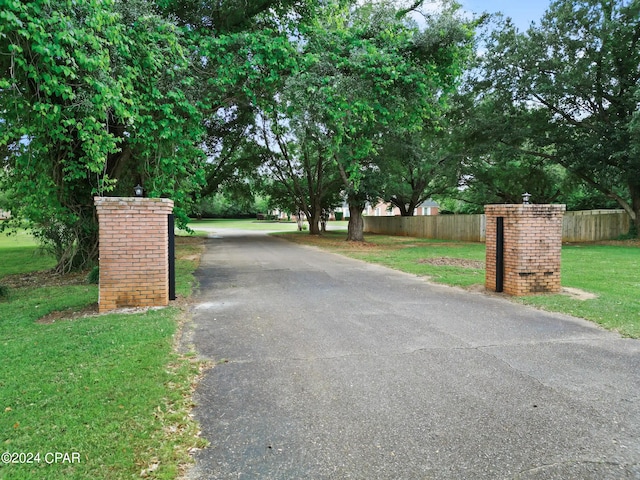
(568, 91)
(371, 72)
(94, 98)
(99, 95)
(241, 53)
(417, 166)
(298, 159)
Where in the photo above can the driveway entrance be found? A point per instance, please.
(331, 368)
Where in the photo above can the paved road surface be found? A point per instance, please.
(331, 368)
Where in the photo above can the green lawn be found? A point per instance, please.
(108, 390)
(19, 254)
(611, 272)
(21, 238)
(243, 224)
(250, 224)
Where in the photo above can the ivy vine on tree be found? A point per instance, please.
(95, 98)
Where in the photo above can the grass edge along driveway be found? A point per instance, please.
(607, 271)
(109, 391)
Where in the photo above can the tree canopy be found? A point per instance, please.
(367, 74)
(567, 92)
(95, 97)
(186, 97)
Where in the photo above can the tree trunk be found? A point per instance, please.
(314, 222)
(407, 210)
(355, 228)
(355, 232)
(75, 245)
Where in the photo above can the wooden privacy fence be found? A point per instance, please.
(580, 226)
(594, 225)
(468, 228)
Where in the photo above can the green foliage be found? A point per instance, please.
(631, 234)
(108, 94)
(220, 205)
(97, 93)
(566, 92)
(230, 15)
(583, 197)
(4, 291)
(94, 276)
(364, 74)
(498, 179)
(415, 167)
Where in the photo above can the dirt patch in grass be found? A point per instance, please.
(357, 245)
(578, 294)
(442, 244)
(93, 311)
(184, 240)
(454, 262)
(45, 278)
(634, 242)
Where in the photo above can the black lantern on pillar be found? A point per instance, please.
(525, 198)
(138, 190)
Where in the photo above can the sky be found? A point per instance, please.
(523, 12)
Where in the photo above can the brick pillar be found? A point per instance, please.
(531, 250)
(134, 262)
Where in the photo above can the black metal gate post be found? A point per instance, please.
(499, 254)
(172, 257)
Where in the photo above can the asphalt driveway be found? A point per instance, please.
(331, 368)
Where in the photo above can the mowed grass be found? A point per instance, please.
(19, 254)
(408, 254)
(610, 272)
(107, 390)
(213, 224)
(242, 224)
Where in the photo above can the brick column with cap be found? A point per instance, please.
(531, 248)
(134, 260)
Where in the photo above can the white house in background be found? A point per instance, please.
(383, 209)
(4, 215)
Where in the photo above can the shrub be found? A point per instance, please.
(94, 275)
(631, 235)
